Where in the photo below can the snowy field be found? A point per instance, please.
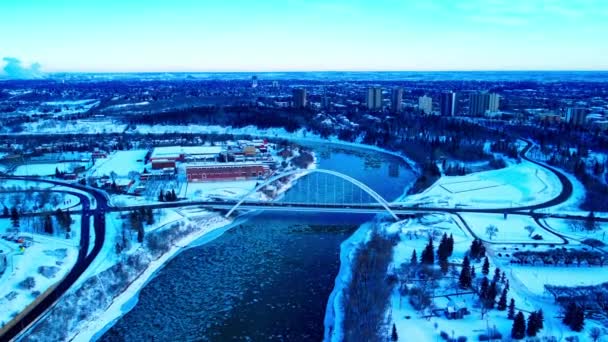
(72, 126)
(516, 185)
(410, 326)
(534, 278)
(526, 287)
(576, 230)
(227, 190)
(67, 107)
(121, 163)
(511, 230)
(56, 254)
(45, 169)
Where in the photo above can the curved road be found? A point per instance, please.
(83, 261)
(102, 207)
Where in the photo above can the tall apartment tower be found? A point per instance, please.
(299, 98)
(479, 103)
(447, 103)
(374, 98)
(494, 102)
(254, 81)
(576, 116)
(425, 104)
(396, 98)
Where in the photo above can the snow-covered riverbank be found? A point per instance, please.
(111, 289)
(92, 329)
(334, 313)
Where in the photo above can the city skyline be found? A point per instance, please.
(388, 35)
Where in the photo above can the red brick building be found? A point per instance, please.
(225, 172)
(160, 164)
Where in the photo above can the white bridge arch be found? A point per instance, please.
(303, 173)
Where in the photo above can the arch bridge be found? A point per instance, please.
(344, 194)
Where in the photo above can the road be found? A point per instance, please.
(83, 261)
(102, 208)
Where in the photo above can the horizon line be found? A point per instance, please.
(50, 73)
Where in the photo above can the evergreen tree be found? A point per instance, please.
(511, 313)
(5, 212)
(428, 255)
(477, 249)
(590, 222)
(15, 217)
(442, 250)
(575, 317)
(578, 321)
(502, 302)
(491, 295)
(472, 272)
(532, 325)
(394, 336)
(465, 280)
(483, 290)
(68, 221)
(540, 319)
(450, 245)
(569, 314)
(485, 269)
(48, 224)
(443, 264)
(496, 278)
(414, 259)
(173, 195)
(161, 196)
(443, 254)
(149, 216)
(519, 326)
(140, 233)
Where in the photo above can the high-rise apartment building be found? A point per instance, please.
(576, 116)
(374, 98)
(299, 98)
(447, 103)
(480, 103)
(396, 99)
(425, 104)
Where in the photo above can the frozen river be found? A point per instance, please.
(267, 278)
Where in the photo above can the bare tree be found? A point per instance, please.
(595, 333)
(491, 231)
(530, 230)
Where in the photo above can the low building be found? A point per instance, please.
(549, 117)
(181, 153)
(225, 172)
(456, 310)
(159, 164)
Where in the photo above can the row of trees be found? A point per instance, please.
(167, 196)
(135, 222)
(535, 324)
(444, 251)
(560, 257)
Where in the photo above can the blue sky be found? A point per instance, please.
(278, 35)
